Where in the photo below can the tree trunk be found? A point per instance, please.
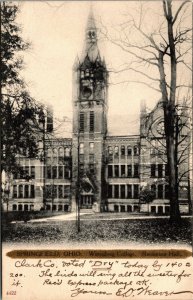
(170, 115)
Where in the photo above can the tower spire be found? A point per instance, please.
(91, 51)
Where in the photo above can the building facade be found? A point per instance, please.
(96, 170)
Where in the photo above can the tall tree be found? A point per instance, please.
(19, 112)
(159, 48)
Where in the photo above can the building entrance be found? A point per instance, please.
(86, 201)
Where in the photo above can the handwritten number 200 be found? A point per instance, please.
(15, 275)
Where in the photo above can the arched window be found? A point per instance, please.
(82, 74)
(67, 152)
(49, 153)
(14, 206)
(122, 150)
(87, 72)
(110, 150)
(61, 155)
(55, 152)
(129, 151)
(61, 152)
(116, 151)
(136, 150)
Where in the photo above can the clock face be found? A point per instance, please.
(86, 92)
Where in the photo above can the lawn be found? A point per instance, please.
(100, 232)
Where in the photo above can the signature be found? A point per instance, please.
(146, 291)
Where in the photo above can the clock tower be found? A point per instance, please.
(90, 82)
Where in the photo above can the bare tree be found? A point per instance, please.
(160, 51)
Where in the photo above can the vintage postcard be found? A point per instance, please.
(96, 150)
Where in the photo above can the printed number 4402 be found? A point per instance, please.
(10, 293)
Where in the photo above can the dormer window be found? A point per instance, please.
(87, 72)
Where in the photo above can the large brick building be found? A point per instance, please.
(106, 173)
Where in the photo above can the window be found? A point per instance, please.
(116, 208)
(110, 194)
(81, 158)
(136, 191)
(91, 158)
(32, 191)
(116, 169)
(110, 171)
(129, 170)
(20, 191)
(136, 170)
(60, 191)
(66, 207)
(153, 189)
(55, 156)
(67, 152)
(92, 121)
(110, 153)
(81, 122)
(25, 172)
(129, 191)
(87, 72)
(129, 151)
(60, 172)
(25, 207)
(167, 191)
(91, 147)
(47, 191)
(82, 74)
(122, 191)
(48, 172)
(116, 151)
(66, 172)
(15, 191)
(54, 172)
(122, 208)
(48, 156)
(160, 171)
(66, 191)
(136, 150)
(110, 150)
(91, 168)
(33, 172)
(122, 150)
(160, 191)
(26, 191)
(122, 170)
(116, 191)
(166, 170)
(81, 148)
(61, 155)
(14, 207)
(153, 170)
(54, 191)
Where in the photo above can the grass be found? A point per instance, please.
(10, 216)
(100, 232)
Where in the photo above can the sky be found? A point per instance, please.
(56, 31)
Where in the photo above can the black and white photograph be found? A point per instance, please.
(96, 150)
(96, 123)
